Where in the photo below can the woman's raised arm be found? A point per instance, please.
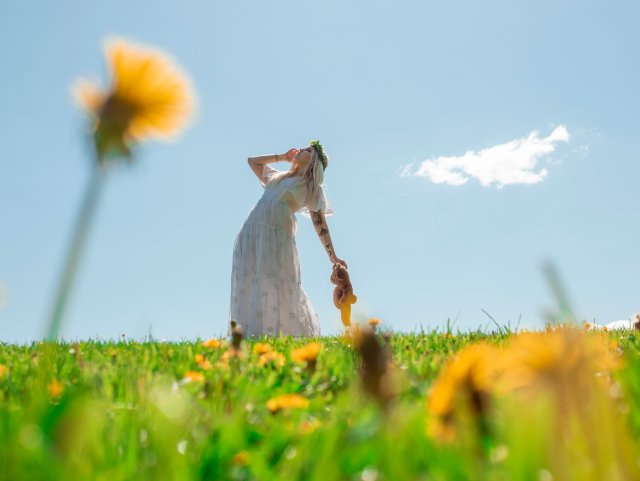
(257, 163)
(322, 229)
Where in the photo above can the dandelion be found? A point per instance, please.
(212, 343)
(562, 362)
(559, 376)
(287, 401)
(202, 362)
(228, 355)
(4, 371)
(206, 365)
(272, 357)
(462, 388)
(193, 376)
(261, 348)
(373, 322)
(55, 388)
(307, 355)
(149, 98)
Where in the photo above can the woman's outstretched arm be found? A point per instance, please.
(322, 229)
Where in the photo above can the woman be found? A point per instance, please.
(266, 293)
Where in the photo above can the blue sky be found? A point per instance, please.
(474, 90)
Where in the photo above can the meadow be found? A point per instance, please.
(371, 406)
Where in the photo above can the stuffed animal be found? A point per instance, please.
(343, 295)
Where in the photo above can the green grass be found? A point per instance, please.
(125, 413)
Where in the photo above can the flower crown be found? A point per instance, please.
(321, 155)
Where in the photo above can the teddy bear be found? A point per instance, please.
(343, 295)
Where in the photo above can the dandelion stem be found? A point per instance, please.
(83, 223)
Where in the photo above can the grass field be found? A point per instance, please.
(373, 407)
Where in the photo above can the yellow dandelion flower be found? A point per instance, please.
(442, 429)
(193, 376)
(308, 353)
(212, 343)
(203, 362)
(228, 355)
(272, 357)
(149, 97)
(231, 354)
(464, 383)
(4, 371)
(563, 362)
(374, 321)
(287, 401)
(55, 388)
(261, 348)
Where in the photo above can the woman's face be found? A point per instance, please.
(303, 159)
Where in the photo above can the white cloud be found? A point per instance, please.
(513, 162)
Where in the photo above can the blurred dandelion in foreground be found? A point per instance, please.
(563, 362)
(271, 357)
(202, 362)
(550, 393)
(149, 98)
(462, 391)
(287, 401)
(563, 380)
(193, 376)
(212, 343)
(307, 355)
(261, 348)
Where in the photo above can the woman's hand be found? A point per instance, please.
(335, 260)
(291, 154)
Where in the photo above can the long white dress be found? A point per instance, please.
(267, 297)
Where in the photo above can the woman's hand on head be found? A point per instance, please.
(291, 154)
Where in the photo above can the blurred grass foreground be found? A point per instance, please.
(561, 404)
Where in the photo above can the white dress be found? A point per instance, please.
(266, 293)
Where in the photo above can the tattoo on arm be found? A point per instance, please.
(323, 231)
